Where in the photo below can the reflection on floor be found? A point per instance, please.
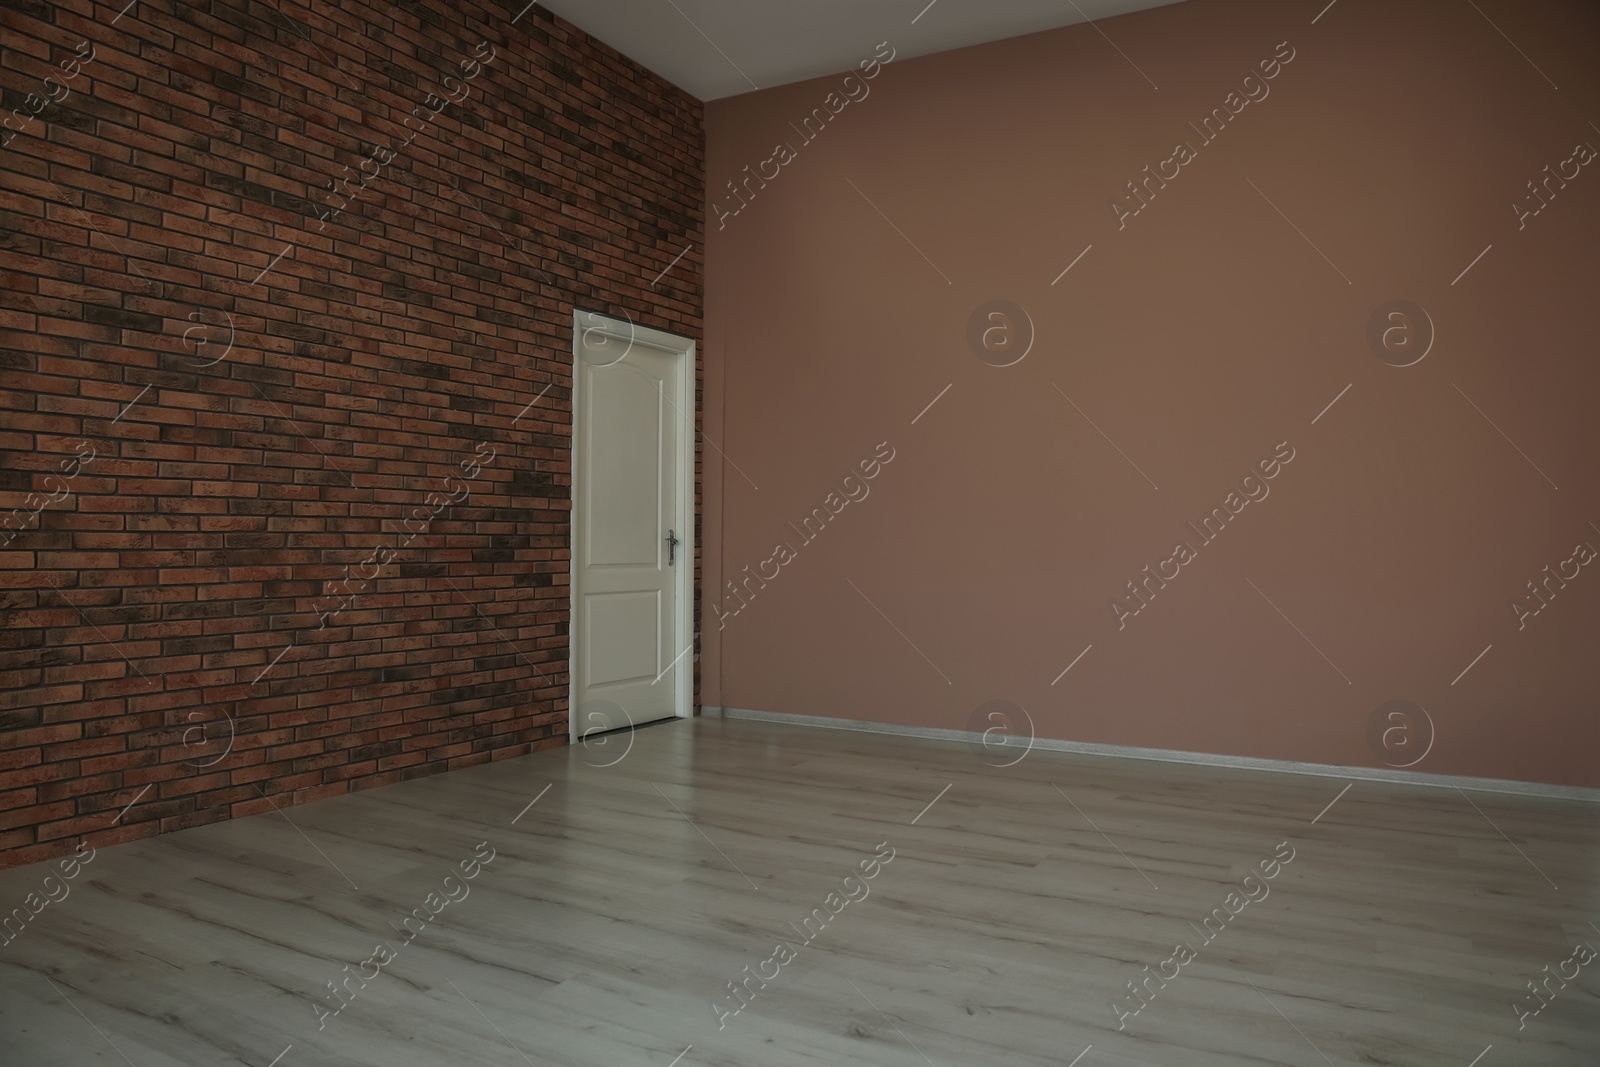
(760, 894)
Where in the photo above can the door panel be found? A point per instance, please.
(626, 444)
(626, 499)
(621, 637)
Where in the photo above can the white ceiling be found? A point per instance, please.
(717, 48)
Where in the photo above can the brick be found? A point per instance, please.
(225, 502)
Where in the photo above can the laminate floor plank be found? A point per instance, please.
(633, 880)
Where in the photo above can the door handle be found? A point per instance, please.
(672, 547)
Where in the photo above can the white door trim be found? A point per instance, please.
(682, 349)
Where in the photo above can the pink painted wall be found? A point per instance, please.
(1198, 336)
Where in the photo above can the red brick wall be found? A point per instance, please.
(340, 542)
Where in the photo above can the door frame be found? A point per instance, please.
(682, 350)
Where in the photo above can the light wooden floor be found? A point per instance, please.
(1002, 931)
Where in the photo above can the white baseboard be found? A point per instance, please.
(1583, 794)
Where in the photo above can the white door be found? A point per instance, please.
(632, 513)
